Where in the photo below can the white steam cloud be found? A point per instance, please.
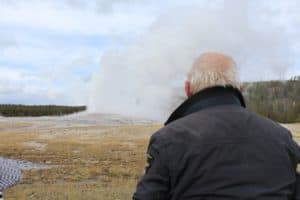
(145, 78)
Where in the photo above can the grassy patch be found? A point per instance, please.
(87, 163)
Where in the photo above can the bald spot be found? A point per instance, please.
(214, 62)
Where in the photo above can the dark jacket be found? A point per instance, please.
(213, 148)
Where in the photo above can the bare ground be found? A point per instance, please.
(90, 157)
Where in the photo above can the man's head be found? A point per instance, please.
(209, 70)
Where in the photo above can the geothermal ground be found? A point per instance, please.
(79, 157)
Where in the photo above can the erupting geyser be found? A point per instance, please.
(145, 78)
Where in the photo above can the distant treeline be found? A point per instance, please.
(278, 100)
(10, 110)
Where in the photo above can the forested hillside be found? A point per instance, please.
(278, 100)
(48, 110)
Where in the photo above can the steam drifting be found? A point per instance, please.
(146, 78)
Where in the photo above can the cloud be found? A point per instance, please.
(17, 85)
(58, 16)
(61, 43)
(6, 43)
(103, 6)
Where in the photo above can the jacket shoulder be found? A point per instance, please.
(223, 117)
(160, 138)
(266, 122)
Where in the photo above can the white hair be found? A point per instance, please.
(213, 69)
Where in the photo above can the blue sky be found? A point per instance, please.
(50, 49)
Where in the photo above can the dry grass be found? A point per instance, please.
(5, 125)
(295, 129)
(101, 162)
(97, 162)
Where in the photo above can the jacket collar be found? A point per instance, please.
(206, 98)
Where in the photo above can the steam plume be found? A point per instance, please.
(145, 79)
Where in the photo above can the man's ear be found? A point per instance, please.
(242, 88)
(188, 88)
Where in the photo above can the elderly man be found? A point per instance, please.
(213, 148)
